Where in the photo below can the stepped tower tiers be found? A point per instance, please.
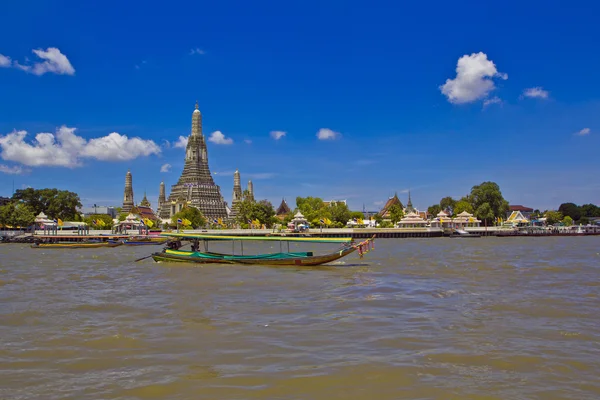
(196, 187)
(409, 205)
(250, 191)
(237, 194)
(128, 196)
(161, 198)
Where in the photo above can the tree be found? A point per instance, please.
(313, 208)
(356, 214)
(567, 221)
(570, 210)
(447, 204)
(553, 217)
(339, 213)
(485, 213)
(192, 214)
(16, 214)
(489, 192)
(463, 205)
(590, 210)
(378, 218)
(396, 213)
(434, 209)
(262, 211)
(53, 202)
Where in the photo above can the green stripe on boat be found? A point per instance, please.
(259, 238)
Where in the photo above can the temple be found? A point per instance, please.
(161, 198)
(385, 211)
(128, 196)
(145, 202)
(196, 187)
(237, 194)
(250, 191)
(283, 210)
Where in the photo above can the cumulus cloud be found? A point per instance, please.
(473, 80)
(5, 61)
(217, 137)
(493, 100)
(54, 62)
(197, 51)
(277, 134)
(165, 168)
(536, 92)
(181, 142)
(66, 149)
(584, 131)
(14, 170)
(328, 134)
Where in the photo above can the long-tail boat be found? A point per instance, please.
(172, 252)
(75, 245)
(145, 241)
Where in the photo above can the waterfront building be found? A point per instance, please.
(196, 187)
(283, 210)
(128, 195)
(412, 220)
(516, 218)
(99, 210)
(465, 220)
(409, 206)
(237, 196)
(525, 211)
(385, 211)
(299, 222)
(442, 220)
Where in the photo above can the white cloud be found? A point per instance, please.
(5, 61)
(328, 134)
(66, 149)
(54, 61)
(198, 51)
(217, 137)
(165, 168)
(14, 170)
(536, 92)
(247, 141)
(277, 134)
(181, 142)
(493, 100)
(584, 131)
(473, 79)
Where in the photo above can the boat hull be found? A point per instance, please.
(74, 245)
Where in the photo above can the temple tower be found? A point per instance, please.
(161, 198)
(145, 202)
(409, 205)
(237, 194)
(196, 187)
(128, 196)
(250, 191)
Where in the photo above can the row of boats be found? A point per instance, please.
(173, 252)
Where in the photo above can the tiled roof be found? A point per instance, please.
(519, 207)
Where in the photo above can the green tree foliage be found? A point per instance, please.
(489, 192)
(571, 210)
(262, 211)
(192, 214)
(463, 205)
(339, 212)
(378, 218)
(313, 208)
(386, 224)
(485, 213)
(107, 219)
(52, 202)
(17, 214)
(396, 213)
(553, 217)
(357, 215)
(567, 221)
(447, 204)
(434, 209)
(590, 210)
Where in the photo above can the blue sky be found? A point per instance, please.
(522, 109)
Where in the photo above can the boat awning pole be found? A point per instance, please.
(242, 243)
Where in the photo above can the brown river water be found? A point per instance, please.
(486, 318)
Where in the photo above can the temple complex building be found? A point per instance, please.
(237, 194)
(283, 210)
(250, 191)
(196, 187)
(145, 202)
(385, 211)
(161, 198)
(128, 196)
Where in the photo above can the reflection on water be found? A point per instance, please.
(489, 318)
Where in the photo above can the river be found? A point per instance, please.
(486, 318)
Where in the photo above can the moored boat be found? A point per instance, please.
(75, 245)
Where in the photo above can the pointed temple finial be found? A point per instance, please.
(196, 104)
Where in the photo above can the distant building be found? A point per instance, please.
(331, 202)
(128, 193)
(4, 201)
(385, 211)
(283, 210)
(101, 210)
(525, 211)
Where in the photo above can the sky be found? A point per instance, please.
(338, 100)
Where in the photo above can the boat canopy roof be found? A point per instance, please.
(260, 238)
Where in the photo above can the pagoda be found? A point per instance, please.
(195, 187)
(236, 198)
(283, 210)
(128, 195)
